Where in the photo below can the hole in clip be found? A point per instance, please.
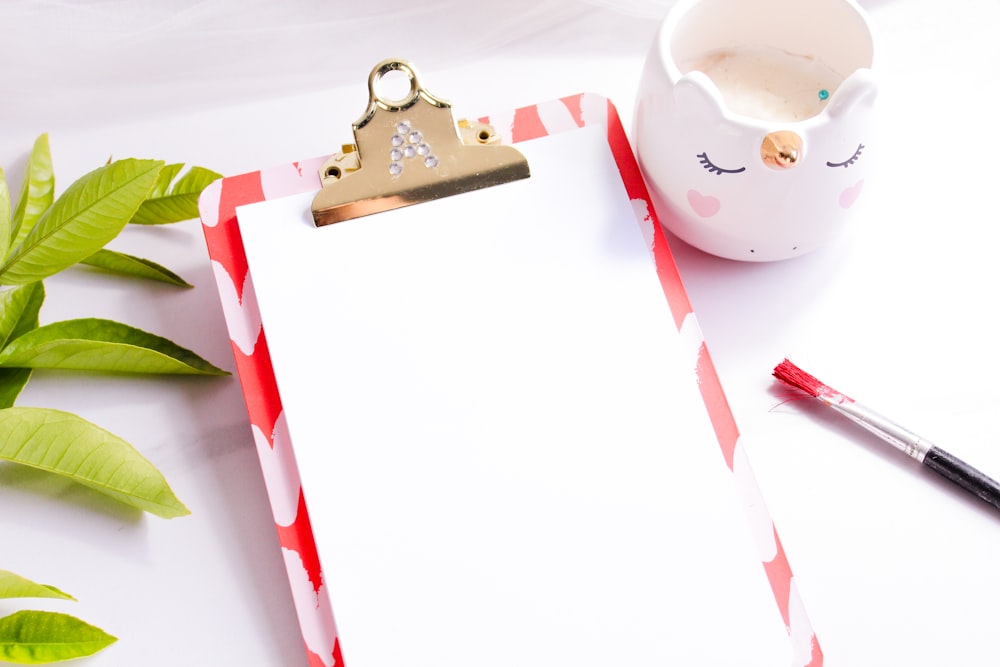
(333, 172)
(395, 87)
(483, 136)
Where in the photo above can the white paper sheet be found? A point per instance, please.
(505, 456)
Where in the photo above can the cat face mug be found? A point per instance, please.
(754, 123)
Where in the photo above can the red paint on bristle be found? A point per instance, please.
(792, 375)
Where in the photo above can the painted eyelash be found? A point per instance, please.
(851, 160)
(712, 169)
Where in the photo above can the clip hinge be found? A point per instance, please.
(410, 151)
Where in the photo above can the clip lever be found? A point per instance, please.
(410, 151)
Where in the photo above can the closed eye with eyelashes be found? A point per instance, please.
(712, 169)
(849, 161)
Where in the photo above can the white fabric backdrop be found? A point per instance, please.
(100, 58)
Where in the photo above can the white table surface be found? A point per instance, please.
(894, 567)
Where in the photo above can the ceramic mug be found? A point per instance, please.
(754, 123)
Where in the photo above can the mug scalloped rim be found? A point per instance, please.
(681, 11)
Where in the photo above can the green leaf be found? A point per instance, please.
(179, 202)
(15, 586)
(37, 191)
(68, 445)
(19, 308)
(167, 175)
(102, 345)
(129, 265)
(12, 383)
(40, 637)
(6, 230)
(91, 212)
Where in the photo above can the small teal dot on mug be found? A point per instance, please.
(824, 94)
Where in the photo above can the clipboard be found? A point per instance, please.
(495, 490)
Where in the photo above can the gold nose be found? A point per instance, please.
(781, 149)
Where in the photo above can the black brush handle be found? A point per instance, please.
(964, 475)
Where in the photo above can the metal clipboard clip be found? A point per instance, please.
(410, 151)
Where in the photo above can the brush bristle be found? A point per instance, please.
(792, 375)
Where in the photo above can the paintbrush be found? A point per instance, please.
(911, 444)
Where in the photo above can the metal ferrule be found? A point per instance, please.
(901, 438)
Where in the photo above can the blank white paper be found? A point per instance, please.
(504, 453)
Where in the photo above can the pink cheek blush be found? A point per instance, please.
(850, 195)
(706, 206)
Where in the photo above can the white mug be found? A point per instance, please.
(754, 123)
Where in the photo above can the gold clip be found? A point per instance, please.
(410, 151)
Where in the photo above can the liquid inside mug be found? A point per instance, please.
(754, 123)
